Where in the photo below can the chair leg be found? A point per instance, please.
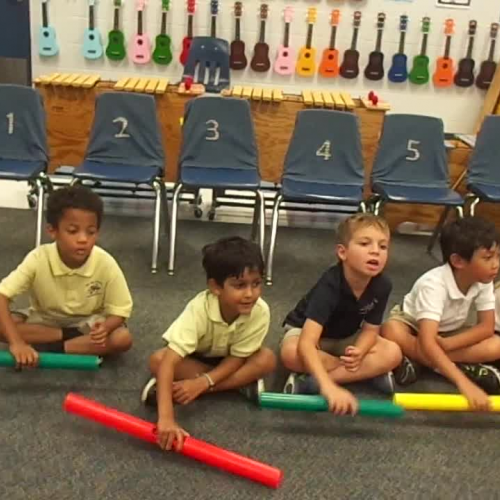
(255, 217)
(39, 212)
(362, 207)
(472, 208)
(262, 221)
(173, 230)
(156, 228)
(274, 230)
(377, 206)
(460, 211)
(164, 200)
(437, 229)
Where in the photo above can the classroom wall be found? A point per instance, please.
(458, 107)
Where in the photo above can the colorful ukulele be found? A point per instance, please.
(306, 62)
(285, 57)
(260, 60)
(47, 41)
(237, 57)
(419, 74)
(188, 39)
(350, 64)
(398, 73)
(488, 67)
(464, 76)
(116, 50)
(443, 76)
(375, 67)
(92, 44)
(141, 45)
(329, 66)
(162, 53)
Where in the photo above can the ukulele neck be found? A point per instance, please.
(45, 16)
(237, 29)
(333, 36)
(402, 38)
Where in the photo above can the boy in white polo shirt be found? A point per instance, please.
(79, 299)
(216, 342)
(429, 327)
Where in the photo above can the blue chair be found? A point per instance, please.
(323, 165)
(23, 144)
(483, 175)
(218, 152)
(411, 164)
(125, 147)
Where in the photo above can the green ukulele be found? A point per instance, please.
(163, 52)
(419, 73)
(116, 50)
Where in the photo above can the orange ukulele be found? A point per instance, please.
(445, 71)
(306, 62)
(329, 67)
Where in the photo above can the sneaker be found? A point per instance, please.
(253, 391)
(485, 376)
(148, 394)
(301, 383)
(385, 383)
(407, 372)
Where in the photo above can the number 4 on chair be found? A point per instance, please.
(325, 150)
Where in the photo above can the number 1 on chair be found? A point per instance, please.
(10, 123)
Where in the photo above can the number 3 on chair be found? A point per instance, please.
(325, 150)
(10, 123)
(412, 148)
(213, 127)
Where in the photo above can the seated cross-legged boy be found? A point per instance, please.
(429, 326)
(79, 299)
(332, 335)
(216, 342)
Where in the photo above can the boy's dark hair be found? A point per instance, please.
(229, 257)
(76, 196)
(465, 236)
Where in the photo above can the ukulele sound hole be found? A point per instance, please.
(330, 57)
(307, 56)
(139, 42)
(91, 37)
(45, 34)
(285, 54)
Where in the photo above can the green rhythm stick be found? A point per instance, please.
(299, 402)
(57, 361)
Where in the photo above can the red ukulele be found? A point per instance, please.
(186, 42)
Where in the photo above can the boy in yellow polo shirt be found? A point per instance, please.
(216, 342)
(78, 293)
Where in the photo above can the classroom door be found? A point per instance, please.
(15, 42)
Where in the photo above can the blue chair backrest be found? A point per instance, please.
(218, 132)
(484, 165)
(325, 148)
(412, 152)
(126, 131)
(23, 134)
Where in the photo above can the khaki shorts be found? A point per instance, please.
(397, 314)
(83, 323)
(335, 347)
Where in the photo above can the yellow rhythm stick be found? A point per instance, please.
(439, 402)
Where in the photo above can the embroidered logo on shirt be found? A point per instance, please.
(366, 309)
(94, 288)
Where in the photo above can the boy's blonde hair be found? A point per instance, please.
(359, 221)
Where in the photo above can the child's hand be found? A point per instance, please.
(168, 432)
(98, 334)
(24, 354)
(340, 401)
(185, 391)
(352, 359)
(477, 398)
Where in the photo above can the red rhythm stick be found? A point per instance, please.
(193, 448)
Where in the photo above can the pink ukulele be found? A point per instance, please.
(141, 44)
(285, 59)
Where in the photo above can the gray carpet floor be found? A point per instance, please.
(47, 454)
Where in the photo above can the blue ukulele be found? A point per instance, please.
(399, 69)
(47, 41)
(92, 44)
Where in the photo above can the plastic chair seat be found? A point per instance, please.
(229, 178)
(21, 170)
(116, 172)
(487, 192)
(303, 190)
(398, 193)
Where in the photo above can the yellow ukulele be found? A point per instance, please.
(306, 62)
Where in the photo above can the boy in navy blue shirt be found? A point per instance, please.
(332, 335)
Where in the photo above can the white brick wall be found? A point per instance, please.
(458, 107)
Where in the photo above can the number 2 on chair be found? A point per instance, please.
(10, 123)
(124, 122)
(325, 150)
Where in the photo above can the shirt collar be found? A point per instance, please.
(214, 314)
(59, 268)
(451, 285)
